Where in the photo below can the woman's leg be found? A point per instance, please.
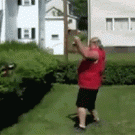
(91, 107)
(82, 116)
(95, 115)
(81, 107)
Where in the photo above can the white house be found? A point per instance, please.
(54, 24)
(22, 20)
(113, 21)
(54, 35)
(25, 21)
(55, 8)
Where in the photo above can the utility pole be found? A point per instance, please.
(89, 20)
(65, 31)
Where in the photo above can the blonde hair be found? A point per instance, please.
(98, 42)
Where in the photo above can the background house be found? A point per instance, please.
(23, 20)
(54, 27)
(113, 22)
(54, 24)
(55, 8)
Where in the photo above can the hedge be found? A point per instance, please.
(33, 65)
(22, 87)
(121, 73)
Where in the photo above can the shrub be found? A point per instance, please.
(83, 35)
(116, 73)
(31, 62)
(23, 87)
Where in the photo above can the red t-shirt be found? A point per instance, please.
(90, 73)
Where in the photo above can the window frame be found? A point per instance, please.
(21, 33)
(70, 21)
(29, 33)
(132, 18)
(121, 23)
(113, 23)
(70, 9)
(55, 38)
(22, 2)
(28, 4)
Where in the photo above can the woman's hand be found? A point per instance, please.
(76, 39)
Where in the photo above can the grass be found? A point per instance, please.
(125, 57)
(129, 57)
(115, 105)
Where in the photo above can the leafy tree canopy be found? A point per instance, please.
(79, 7)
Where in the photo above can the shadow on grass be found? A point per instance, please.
(74, 118)
(12, 106)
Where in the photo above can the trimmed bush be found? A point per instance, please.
(32, 62)
(83, 35)
(121, 73)
(23, 87)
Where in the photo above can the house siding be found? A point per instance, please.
(100, 10)
(53, 5)
(28, 17)
(3, 25)
(41, 23)
(72, 25)
(58, 4)
(11, 20)
(55, 26)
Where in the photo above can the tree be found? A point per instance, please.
(79, 7)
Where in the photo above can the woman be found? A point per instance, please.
(90, 75)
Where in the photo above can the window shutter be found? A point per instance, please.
(19, 2)
(19, 33)
(33, 2)
(33, 33)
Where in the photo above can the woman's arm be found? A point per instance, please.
(85, 52)
(103, 72)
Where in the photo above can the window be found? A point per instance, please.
(26, 2)
(54, 13)
(109, 24)
(121, 24)
(118, 24)
(70, 21)
(54, 37)
(70, 9)
(27, 33)
(132, 24)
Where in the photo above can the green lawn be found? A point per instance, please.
(130, 57)
(115, 105)
(127, 57)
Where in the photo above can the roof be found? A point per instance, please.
(53, 8)
(51, 0)
(72, 16)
